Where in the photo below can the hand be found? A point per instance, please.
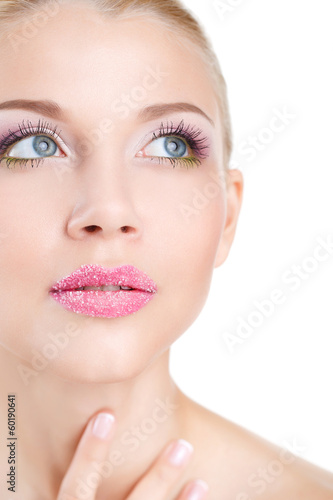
(156, 484)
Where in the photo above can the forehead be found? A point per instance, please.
(80, 57)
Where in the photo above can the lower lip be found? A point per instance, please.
(104, 304)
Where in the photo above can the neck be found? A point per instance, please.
(52, 413)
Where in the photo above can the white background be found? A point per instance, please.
(278, 383)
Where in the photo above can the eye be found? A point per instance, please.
(39, 146)
(170, 146)
(182, 145)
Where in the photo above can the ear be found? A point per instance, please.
(234, 192)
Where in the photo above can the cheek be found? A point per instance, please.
(25, 238)
(198, 241)
(188, 245)
(27, 226)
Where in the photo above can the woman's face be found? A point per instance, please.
(108, 168)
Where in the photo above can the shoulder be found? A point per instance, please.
(239, 465)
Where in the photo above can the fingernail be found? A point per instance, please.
(103, 425)
(180, 452)
(198, 490)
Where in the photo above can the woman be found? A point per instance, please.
(113, 120)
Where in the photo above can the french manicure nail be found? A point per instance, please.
(180, 452)
(103, 425)
(198, 490)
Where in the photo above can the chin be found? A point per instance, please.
(97, 370)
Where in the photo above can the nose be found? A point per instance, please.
(105, 205)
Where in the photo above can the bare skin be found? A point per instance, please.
(248, 467)
(282, 474)
(119, 365)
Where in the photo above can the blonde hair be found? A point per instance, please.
(170, 13)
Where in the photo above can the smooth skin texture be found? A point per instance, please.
(86, 63)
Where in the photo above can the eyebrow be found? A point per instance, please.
(53, 110)
(158, 110)
(45, 107)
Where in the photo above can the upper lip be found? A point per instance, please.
(95, 275)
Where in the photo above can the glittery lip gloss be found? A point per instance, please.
(104, 304)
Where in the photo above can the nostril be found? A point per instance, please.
(91, 229)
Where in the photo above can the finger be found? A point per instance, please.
(82, 479)
(160, 479)
(196, 490)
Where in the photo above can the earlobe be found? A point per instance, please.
(235, 185)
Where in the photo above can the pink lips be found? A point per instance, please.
(105, 304)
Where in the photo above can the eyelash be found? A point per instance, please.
(192, 136)
(43, 128)
(189, 133)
